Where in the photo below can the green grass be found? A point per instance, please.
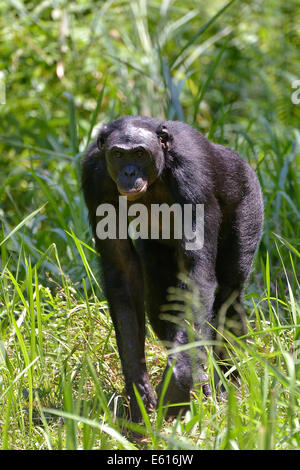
(225, 68)
(62, 387)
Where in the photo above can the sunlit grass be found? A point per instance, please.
(62, 387)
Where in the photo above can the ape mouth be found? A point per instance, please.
(133, 193)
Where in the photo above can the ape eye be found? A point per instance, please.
(117, 154)
(140, 153)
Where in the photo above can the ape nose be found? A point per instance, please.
(129, 170)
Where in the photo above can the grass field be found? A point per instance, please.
(227, 70)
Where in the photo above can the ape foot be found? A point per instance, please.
(174, 394)
(204, 383)
(148, 397)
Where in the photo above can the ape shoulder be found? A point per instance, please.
(95, 181)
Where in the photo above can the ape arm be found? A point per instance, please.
(123, 284)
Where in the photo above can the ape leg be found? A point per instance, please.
(160, 267)
(236, 250)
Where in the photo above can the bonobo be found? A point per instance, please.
(144, 163)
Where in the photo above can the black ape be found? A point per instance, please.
(169, 162)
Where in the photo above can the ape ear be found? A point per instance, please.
(164, 136)
(102, 137)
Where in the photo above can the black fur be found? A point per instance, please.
(182, 167)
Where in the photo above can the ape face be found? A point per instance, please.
(134, 158)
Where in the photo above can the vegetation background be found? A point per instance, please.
(67, 66)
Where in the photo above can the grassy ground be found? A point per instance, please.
(62, 386)
(227, 72)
